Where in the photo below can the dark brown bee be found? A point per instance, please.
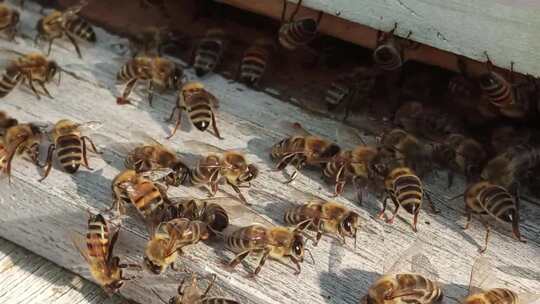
(278, 243)
(297, 33)
(255, 61)
(326, 217)
(105, 268)
(405, 150)
(209, 52)
(153, 155)
(495, 86)
(6, 122)
(30, 68)
(405, 189)
(485, 198)
(461, 87)
(9, 19)
(22, 139)
(68, 23)
(70, 146)
(202, 210)
(158, 72)
(200, 106)
(350, 88)
(389, 54)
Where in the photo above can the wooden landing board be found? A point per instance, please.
(30, 279)
(41, 216)
(506, 29)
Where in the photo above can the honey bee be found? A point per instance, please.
(485, 198)
(6, 122)
(389, 54)
(303, 149)
(347, 89)
(462, 87)
(414, 283)
(219, 165)
(405, 189)
(297, 33)
(9, 19)
(480, 291)
(191, 294)
(200, 106)
(202, 210)
(352, 165)
(497, 89)
(278, 243)
(406, 150)
(168, 240)
(143, 190)
(153, 155)
(3, 158)
(69, 146)
(326, 217)
(255, 61)
(158, 72)
(209, 52)
(105, 268)
(462, 154)
(22, 139)
(31, 68)
(68, 23)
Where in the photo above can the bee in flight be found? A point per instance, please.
(278, 243)
(325, 217)
(199, 104)
(105, 268)
(68, 23)
(32, 68)
(69, 146)
(9, 19)
(191, 294)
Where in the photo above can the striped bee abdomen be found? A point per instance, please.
(207, 168)
(502, 296)
(287, 147)
(498, 202)
(253, 64)
(387, 57)
(216, 217)
(207, 56)
(10, 78)
(497, 89)
(336, 94)
(97, 237)
(200, 111)
(431, 292)
(297, 33)
(127, 71)
(408, 192)
(148, 198)
(246, 238)
(69, 152)
(81, 29)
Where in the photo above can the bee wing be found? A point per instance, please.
(200, 147)
(157, 174)
(213, 100)
(482, 276)
(90, 126)
(144, 138)
(347, 136)
(291, 128)
(404, 262)
(77, 240)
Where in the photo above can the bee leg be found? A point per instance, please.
(283, 11)
(296, 9)
(468, 212)
(91, 144)
(396, 204)
(129, 87)
(298, 268)
(240, 195)
(31, 84)
(384, 202)
(210, 285)
(415, 218)
(50, 46)
(214, 126)
(48, 162)
(85, 158)
(482, 250)
(74, 42)
(237, 259)
(42, 85)
(432, 206)
(150, 92)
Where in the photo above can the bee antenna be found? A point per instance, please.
(159, 296)
(311, 255)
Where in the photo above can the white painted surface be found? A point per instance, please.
(40, 216)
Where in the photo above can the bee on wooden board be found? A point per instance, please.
(406, 150)
(191, 294)
(105, 268)
(483, 287)
(69, 146)
(3, 158)
(209, 51)
(159, 73)
(154, 155)
(326, 217)
(255, 61)
(389, 54)
(484, 198)
(411, 279)
(6, 122)
(404, 188)
(461, 154)
(144, 191)
(352, 165)
(9, 19)
(21, 139)
(356, 86)
(202, 210)
(218, 165)
(199, 104)
(32, 68)
(302, 149)
(294, 34)
(168, 239)
(68, 23)
(278, 243)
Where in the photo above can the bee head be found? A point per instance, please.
(52, 70)
(349, 225)
(298, 247)
(153, 267)
(177, 78)
(251, 173)
(114, 287)
(179, 175)
(309, 25)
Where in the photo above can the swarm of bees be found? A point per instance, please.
(421, 139)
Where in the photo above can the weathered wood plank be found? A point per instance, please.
(507, 30)
(28, 278)
(35, 213)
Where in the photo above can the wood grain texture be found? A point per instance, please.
(30, 279)
(506, 29)
(41, 216)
